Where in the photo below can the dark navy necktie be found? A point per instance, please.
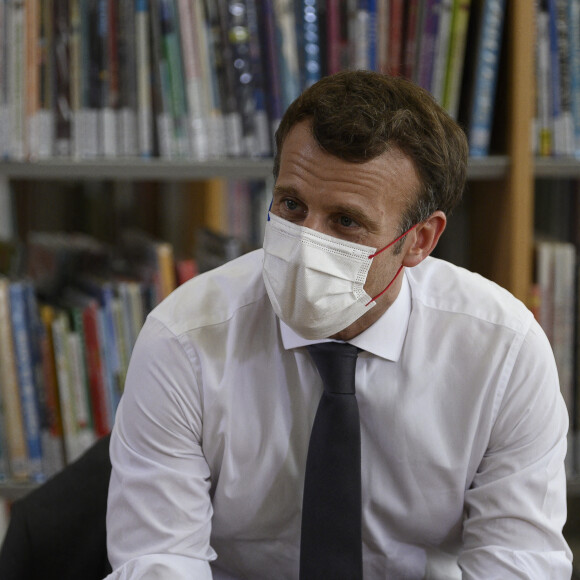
(331, 543)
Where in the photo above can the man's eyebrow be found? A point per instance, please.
(285, 190)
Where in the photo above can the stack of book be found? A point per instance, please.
(202, 79)
(557, 119)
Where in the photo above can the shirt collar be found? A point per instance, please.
(384, 338)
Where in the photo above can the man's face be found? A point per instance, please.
(358, 202)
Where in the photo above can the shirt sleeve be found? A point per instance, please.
(516, 505)
(159, 510)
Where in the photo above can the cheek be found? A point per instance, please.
(383, 270)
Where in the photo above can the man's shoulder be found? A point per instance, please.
(214, 296)
(442, 286)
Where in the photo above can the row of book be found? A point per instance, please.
(67, 328)
(204, 79)
(71, 307)
(557, 119)
(556, 290)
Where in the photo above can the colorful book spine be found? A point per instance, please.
(62, 145)
(457, 41)
(127, 78)
(263, 138)
(4, 92)
(486, 73)
(193, 74)
(26, 379)
(574, 41)
(173, 55)
(13, 419)
(394, 40)
(144, 99)
(428, 32)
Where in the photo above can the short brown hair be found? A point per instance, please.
(358, 115)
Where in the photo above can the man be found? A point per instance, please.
(463, 429)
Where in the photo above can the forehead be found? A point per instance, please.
(389, 180)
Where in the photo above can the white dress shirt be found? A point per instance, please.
(462, 422)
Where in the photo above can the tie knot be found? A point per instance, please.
(336, 363)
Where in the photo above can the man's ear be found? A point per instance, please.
(425, 235)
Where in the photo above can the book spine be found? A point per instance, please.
(410, 38)
(574, 41)
(544, 128)
(60, 330)
(32, 18)
(171, 46)
(554, 70)
(12, 417)
(441, 56)
(285, 20)
(4, 93)
(98, 392)
(430, 25)
(110, 52)
(17, 80)
(458, 37)
(143, 56)
(486, 77)
(193, 81)
(565, 129)
(263, 137)
(55, 447)
(272, 84)
(161, 89)
(24, 365)
(62, 78)
(127, 79)
(395, 37)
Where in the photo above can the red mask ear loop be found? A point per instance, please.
(400, 267)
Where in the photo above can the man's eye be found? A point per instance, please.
(290, 204)
(346, 222)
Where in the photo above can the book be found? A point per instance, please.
(127, 115)
(543, 129)
(144, 97)
(272, 81)
(51, 442)
(12, 411)
(26, 379)
(574, 42)
(165, 135)
(54, 450)
(264, 146)
(287, 50)
(173, 56)
(411, 39)
(111, 137)
(240, 68)
(205, 37)
(428, 31)
(17, 80)
(61, 56)
(4, 86)
(457, 41)
(564, 129)
(395, 37)
(84, 311)
(193, 73)
(360, 37)
(485, 46)
(441, 51)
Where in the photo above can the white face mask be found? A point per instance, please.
(315, 281)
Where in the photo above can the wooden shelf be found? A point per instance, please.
(554, 167)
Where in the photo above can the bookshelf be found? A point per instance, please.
(500, 189)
